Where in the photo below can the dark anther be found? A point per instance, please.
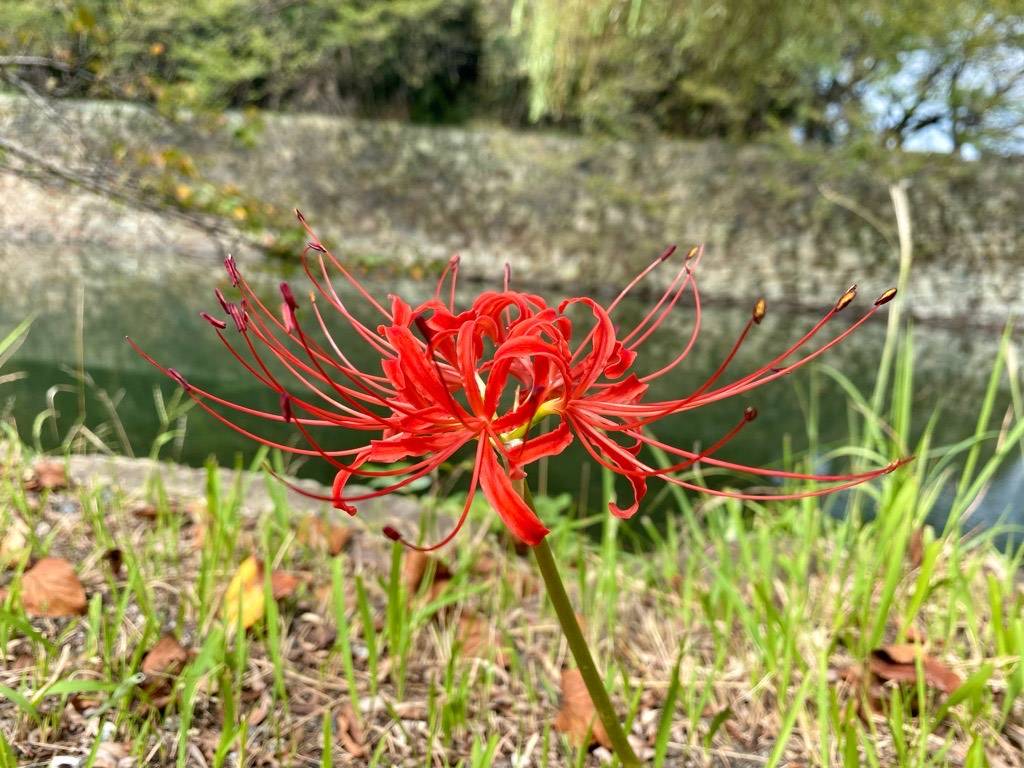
(232, 268)
(179, 379)
(221, 299)
(391, 533)
(286, 407)
(239, 316)
(299, 216)
(667, 253)
(286, 294)
(759, 309)
(847, 297)
(315, 246)
(886, 297)
(749, 413)
(215, 322)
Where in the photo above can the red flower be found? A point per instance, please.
(486, 377)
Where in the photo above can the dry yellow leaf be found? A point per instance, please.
(244, 595)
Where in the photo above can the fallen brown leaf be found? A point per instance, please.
(350, 732)
(414, 570)
(51, 588)
(577, 718)
(319, 534)
(259, 712)
(165, 659)
(478, 640)
(898, 663)
(47, 475)
(283, 584)
(161, 665)
(144, 511)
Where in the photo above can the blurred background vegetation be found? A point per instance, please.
(865, 76)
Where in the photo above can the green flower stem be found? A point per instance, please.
(580, 652)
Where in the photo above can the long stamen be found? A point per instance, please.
(683, 278)
(760, 377)
(394, 535)
(640, 470)
(756, 317)
(665, 255)
(319, 247)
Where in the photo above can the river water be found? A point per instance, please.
(85, 302)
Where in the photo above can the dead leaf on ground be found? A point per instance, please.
(46, 475)
(898, 663)
(283, 584)
(51, 588)
(577, 718)
(350, 732)
(414, 569)
(319, 534)
(244, 595)
(144, 511)
(167, 657)
(161, 665)
(115, 559)
(477, 638)
(259, 712)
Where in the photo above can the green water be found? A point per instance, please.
(85, 302)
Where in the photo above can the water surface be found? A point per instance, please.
(85, 302)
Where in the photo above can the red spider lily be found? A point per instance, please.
(488, 377)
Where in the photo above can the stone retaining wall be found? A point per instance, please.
(570, 210)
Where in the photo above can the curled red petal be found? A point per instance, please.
(514, 512)
(622, 459)
(338, 488)
(549, 444)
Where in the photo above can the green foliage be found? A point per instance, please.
(406, 57)
(865, 75)
(835, 73)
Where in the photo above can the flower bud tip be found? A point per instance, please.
(886, 297)
(760, 307)
(391, 533)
